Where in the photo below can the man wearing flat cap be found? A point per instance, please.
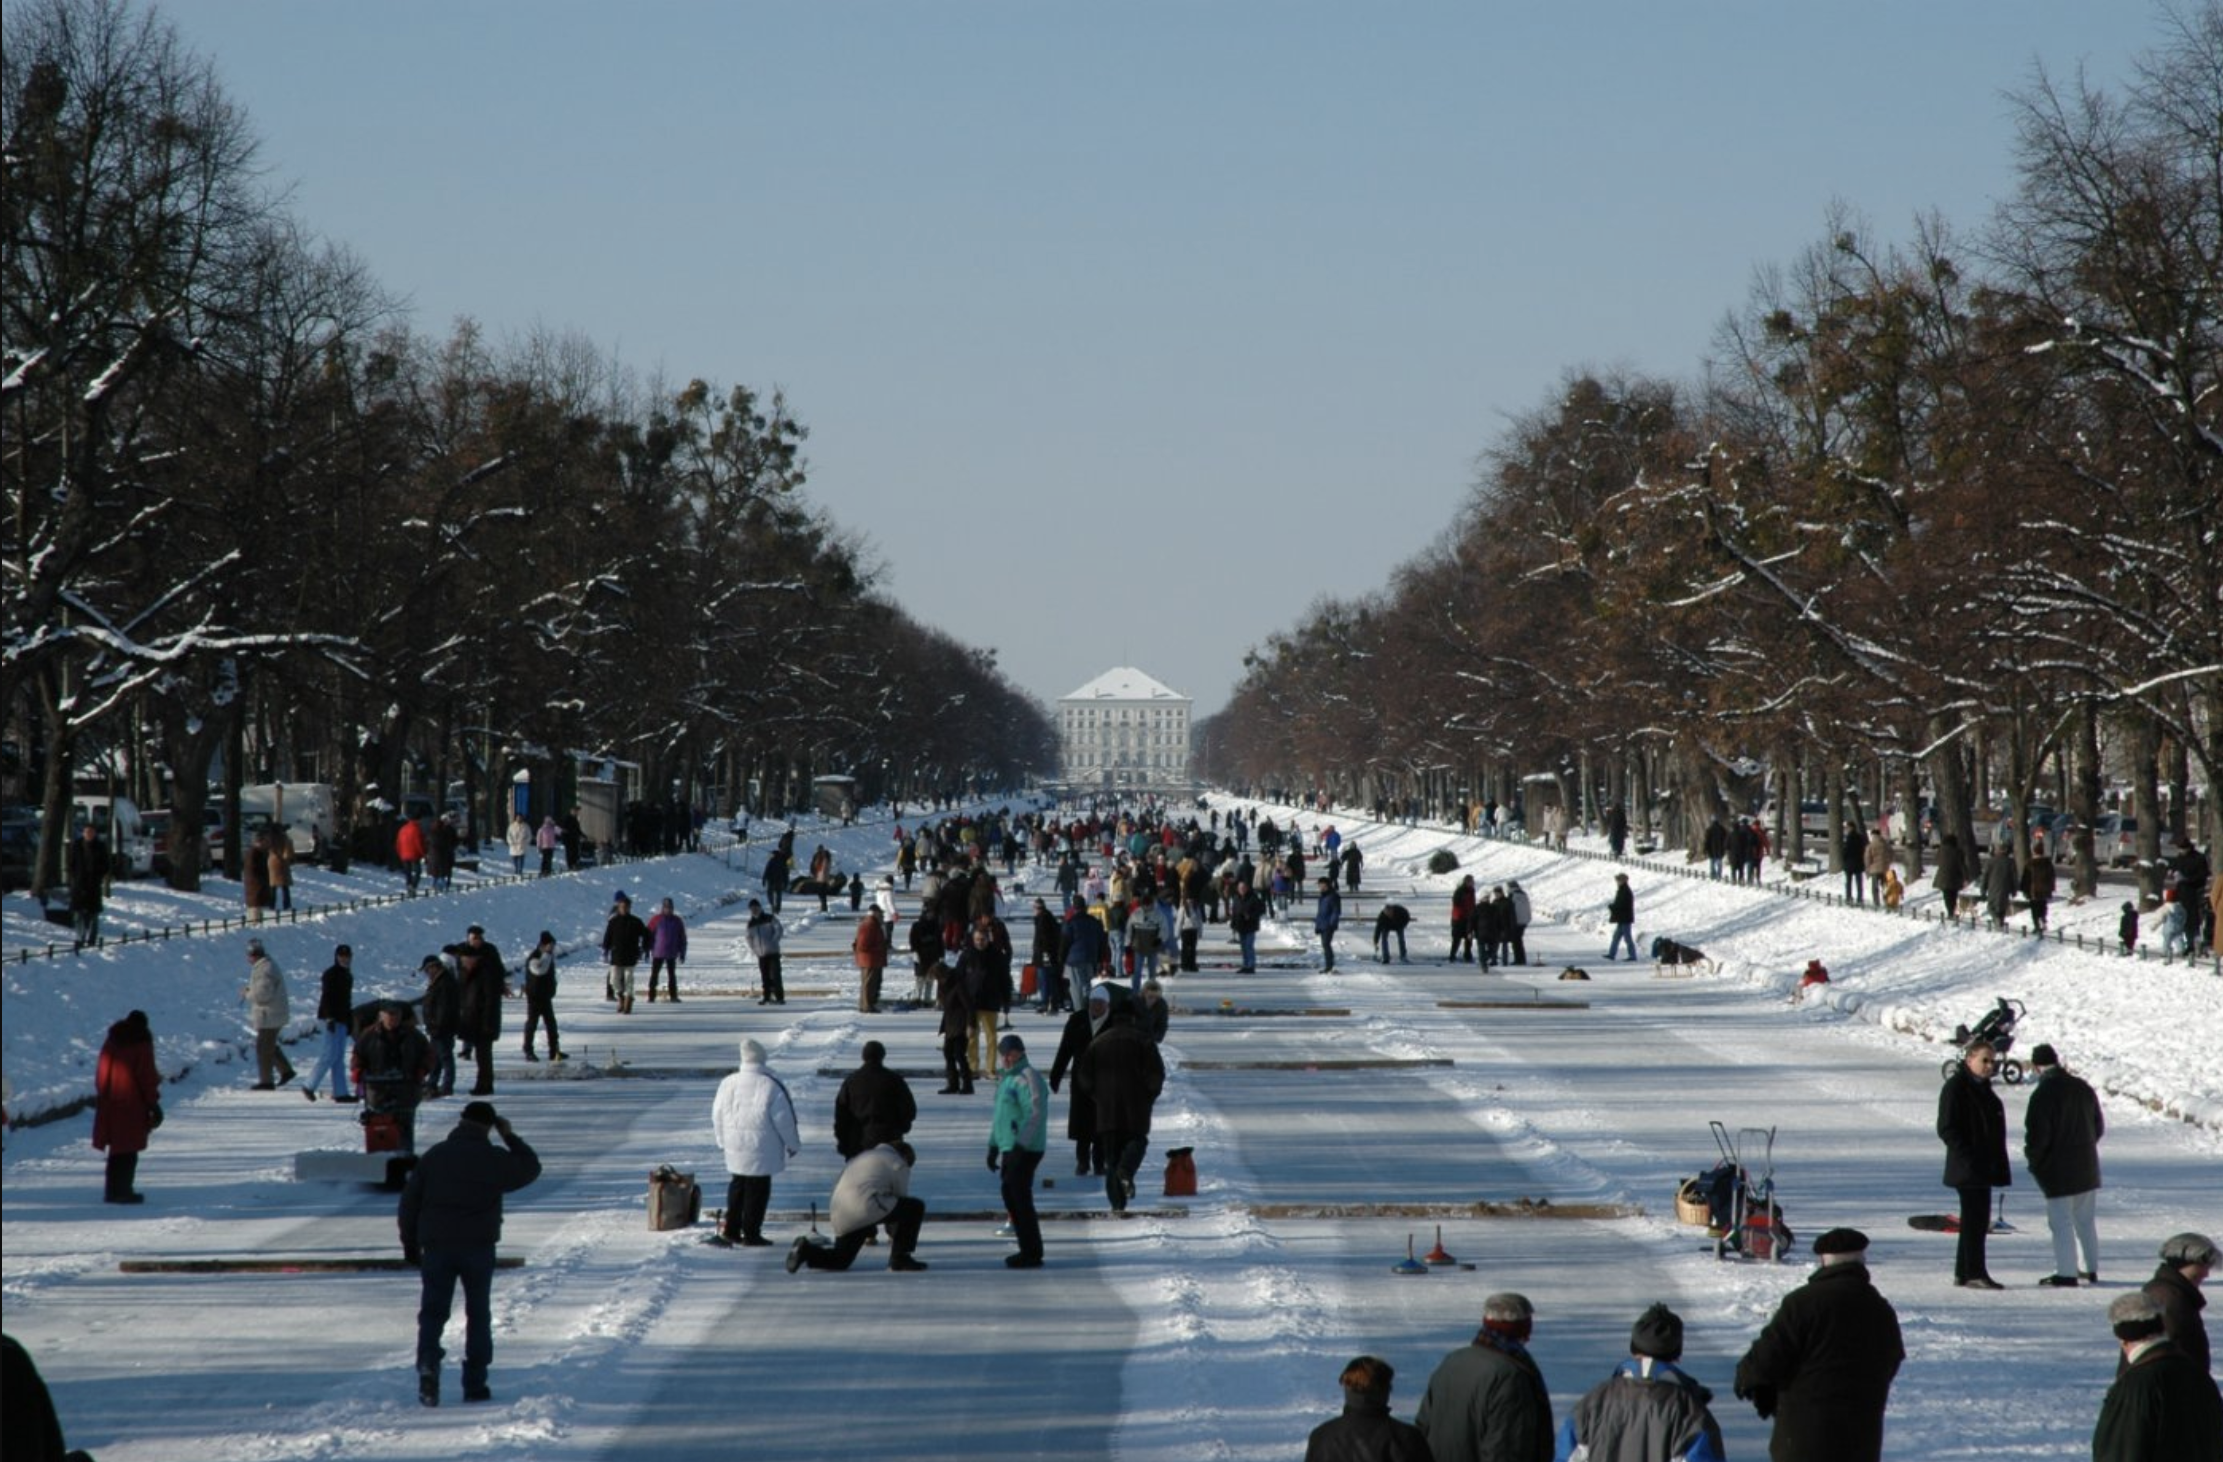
(2186, 1262)
(451, 1218)
(1823, 1366)
(2163, 1404)
(1649, 1409)
(1487, 1401)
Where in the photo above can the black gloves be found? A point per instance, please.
(995, 1158)
(1761, 1397)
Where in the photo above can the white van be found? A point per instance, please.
(307, 810)
(130, 843)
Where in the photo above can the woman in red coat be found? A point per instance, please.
(127, 1103)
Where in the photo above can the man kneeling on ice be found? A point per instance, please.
(875, 1188)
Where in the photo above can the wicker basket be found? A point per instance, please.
(1690, 1208)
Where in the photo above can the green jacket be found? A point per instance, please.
(1022, 1117)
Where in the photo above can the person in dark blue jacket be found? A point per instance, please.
(1083, 944)
(1327, 917)
(451, 1218)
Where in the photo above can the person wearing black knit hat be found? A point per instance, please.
(1823, 1367)
(2163, 1402)
(1649, 1409)
(2061, 1131)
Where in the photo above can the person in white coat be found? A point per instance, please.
(753, 1119)
(268, 1011)
(874, 1189)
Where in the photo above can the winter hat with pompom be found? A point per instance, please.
(1658, 1333)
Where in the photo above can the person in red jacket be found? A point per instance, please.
(409, 851)
(127, 1103)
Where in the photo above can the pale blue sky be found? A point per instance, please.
(1125, 330)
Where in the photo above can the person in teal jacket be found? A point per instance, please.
(1017, 1137)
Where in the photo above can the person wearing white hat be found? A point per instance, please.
(753, 1119)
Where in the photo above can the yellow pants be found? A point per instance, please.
(985, 1065)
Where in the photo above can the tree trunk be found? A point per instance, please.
(2145, 762)
(61, 750)
(1833, 793)
(1910, 797)
(1949, 781)
(2084, 796)
(235, 771)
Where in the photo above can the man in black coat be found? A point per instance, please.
(1121, 1074)
(1823, 1366)
(442, 1011)
(1366, 1432)
(874, 1105)
(1244, 914)
(1952, 875)
(485, 982)
(1621, 912)
(1080, 1114)
(1854, 855)
(2061, 1131)
(451, 1218)
(2164, 1403)
(1973, 1126)
(957, 996)
(88, 881)
(1393, 919)
(1049, 982)
(1717, 847)
(926, 953)
(624, 941)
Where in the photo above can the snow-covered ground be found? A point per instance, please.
(1214, 1329)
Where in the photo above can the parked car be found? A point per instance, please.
(158, 829)
(124, 826)
(2115, 841)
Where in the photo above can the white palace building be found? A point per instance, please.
(1124, 729)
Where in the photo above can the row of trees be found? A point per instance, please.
(253, 516)
(1936, 519)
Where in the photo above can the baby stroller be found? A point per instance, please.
(1740, 1193)
(1996, 1029)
